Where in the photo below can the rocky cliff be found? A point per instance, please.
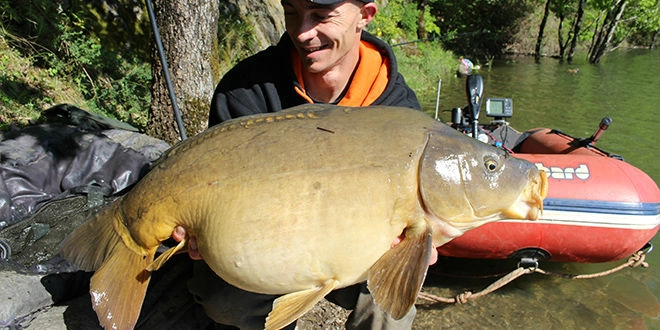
(266, 16)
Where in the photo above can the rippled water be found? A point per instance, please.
(625, 87)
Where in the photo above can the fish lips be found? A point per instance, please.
(529, 205)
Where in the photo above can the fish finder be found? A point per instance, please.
(499, 107)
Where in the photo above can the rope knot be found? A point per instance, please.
(637, 260)
(463, 297)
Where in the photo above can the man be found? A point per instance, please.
(324, 57)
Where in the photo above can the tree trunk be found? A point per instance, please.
(653, 37)
(606, 33)
(576, 30)
(422, 34)
(188, 29)
(560, 38)
(539, 40)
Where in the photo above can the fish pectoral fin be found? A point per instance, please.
(290, 307)
(397, 276)
(160, 261)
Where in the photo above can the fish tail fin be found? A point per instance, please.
(98, 246)
(116, 300)
(90, 244)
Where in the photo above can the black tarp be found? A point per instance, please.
(53, 176)
(72, 152)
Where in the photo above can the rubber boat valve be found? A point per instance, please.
(530, 257)
(647, 248)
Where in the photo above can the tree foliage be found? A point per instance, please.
(565, 11)
(606, 36)
(397, 21)
(645, 25)
(480, 28)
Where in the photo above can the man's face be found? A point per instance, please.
(323, 35)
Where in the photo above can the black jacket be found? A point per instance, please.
(265, 82)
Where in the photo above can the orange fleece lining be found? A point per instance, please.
(369, 81)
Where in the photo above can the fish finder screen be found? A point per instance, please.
(499, 107)
(496, 108)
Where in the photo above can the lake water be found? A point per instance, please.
(625, 87)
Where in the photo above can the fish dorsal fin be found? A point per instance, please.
(181, 247)
(397, 276)
(290, 307)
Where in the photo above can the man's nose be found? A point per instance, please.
(305, 29)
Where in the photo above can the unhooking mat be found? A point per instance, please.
(72, 152)
(52, 177)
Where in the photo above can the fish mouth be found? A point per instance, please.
(529, 205)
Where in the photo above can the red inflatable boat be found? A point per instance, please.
(598, 208)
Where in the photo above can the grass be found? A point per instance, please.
(26, 89)
(422, 64)
(82, 73)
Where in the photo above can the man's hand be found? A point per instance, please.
(179, 234)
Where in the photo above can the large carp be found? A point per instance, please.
(302, 202)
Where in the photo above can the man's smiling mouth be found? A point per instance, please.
(314, 49)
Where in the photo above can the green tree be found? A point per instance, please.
(604, 38)
(539, 39)
(565, 11)
(398, 21)
(646, 25)
(577, 26)
(616, 21)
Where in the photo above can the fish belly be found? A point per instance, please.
(329, 229)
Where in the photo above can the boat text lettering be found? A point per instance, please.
(581, 172)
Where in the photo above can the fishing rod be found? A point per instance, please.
(166, 71)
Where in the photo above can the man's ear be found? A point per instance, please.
(368, 11)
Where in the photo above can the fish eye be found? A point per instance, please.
(491, 164)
